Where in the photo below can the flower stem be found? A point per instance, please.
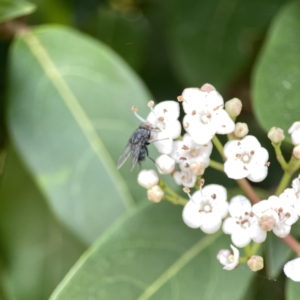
(170, 195)
(219, 146)
(292, 167)
(216, 165)
(279, 156)
(254, 248)
(247, 250)
(175, 200)
(283, 183)
(247, 188)
(292, 243)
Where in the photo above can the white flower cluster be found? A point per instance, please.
(204, 117)
(187, 157)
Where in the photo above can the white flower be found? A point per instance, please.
(206, 208)
(294, 131)
(205, 115)
(165, 164)
(280, 210)
(292, 196)
(243, 224)
(246, 158)
(165, 124)
(188, 151)
(227, 259)
(292, 269)
(148, 178)
(186, 177)
(155, 194)
(296, 186)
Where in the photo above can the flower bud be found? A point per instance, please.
(233, 107)
(241, 130)
(207, 88)
(296, 152)
(266, 223)
(198, 168)
(165, 164)
(155, 194)
(276, 135)
(255, 263)
(148, 178)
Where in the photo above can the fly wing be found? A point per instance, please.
(124, 156)
(135, 152)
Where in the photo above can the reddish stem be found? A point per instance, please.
(247, 188)
(292, 243)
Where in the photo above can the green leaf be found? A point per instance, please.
(70, 120)
(277, 255)
(276, 89)
(10, 9)
(214, 41)
(151, 254)
(37, 250)
(292, 290)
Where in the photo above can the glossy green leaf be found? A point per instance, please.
(10, 9)
(37, 250)
(276, 89)
(152, 254)
(277, 255)
(292, 290)
(70, 120)
(214, 41)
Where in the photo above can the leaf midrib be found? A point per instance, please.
(55, 77)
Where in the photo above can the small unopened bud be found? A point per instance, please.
(165, 164)
(266, 223)
(276, 135)
(180, 98)
(202, 182)
(255, 263)
(198, 168)
(148, 178)
(241, 130)
(296, 152)
(155, 194)
(207, 88)
(151, 103)
(134, 108)
(186, 189)
(234, 107)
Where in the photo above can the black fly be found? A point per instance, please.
(137, 146)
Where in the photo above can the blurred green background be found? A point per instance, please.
(66, 89)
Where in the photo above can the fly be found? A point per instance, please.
(137, 146)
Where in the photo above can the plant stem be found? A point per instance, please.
(254, 248)
(279, 156)
(247, 250)
(292, 167)
(219, 146)
(170, 195)
(247, 188)
(216, 165)
(292, 243)
(283, 183)
(175, 200)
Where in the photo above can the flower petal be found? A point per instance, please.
(225, 123)
(211, 224)
(292, 269)
(240, 237)
(234, 168)
(191, 216)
